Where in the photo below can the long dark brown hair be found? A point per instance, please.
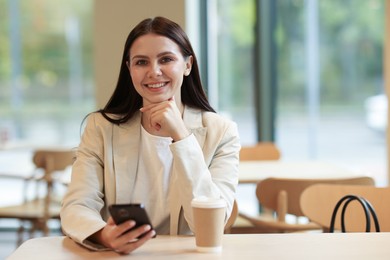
(125, 100)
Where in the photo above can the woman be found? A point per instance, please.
(157, 142)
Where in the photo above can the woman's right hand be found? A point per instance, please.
(118, 238)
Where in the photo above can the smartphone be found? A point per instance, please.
(123, 212)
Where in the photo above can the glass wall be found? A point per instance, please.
(231, 60)
(46, 85)
(329, 53)
(330, 67)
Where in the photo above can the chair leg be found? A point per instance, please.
(45, 229)
(41, 225)
(20, 234)
(32, 229)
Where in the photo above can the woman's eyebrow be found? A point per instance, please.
(139, 57)
(165, 53)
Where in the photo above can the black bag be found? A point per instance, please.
(368, 211)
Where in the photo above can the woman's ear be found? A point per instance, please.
(189, 61)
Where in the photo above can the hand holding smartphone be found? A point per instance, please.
(123, 212)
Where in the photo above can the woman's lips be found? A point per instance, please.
(156, 85)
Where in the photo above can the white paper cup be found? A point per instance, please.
(209, 215)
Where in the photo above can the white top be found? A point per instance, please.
(154, 177)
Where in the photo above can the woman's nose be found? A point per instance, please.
(155, 70)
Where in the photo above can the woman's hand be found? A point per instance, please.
(120, 239)
(166, 119)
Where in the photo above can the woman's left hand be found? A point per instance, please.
(166, 119)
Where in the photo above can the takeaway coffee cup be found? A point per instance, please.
(209, 215)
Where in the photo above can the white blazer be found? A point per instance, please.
(204, 164)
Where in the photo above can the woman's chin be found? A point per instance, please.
(155, 100)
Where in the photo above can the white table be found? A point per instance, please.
(300, 246)
(255, 171)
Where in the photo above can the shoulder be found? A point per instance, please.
(195, 117)
(214, 122)
(211, 116)
(217, 122)
(98, 120)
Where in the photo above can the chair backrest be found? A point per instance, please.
(232, 218)
(260, 151)
(283, 194)
(51, 161)
(318, 201)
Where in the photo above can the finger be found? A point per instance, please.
(143, 109)
(125, 242)
(148, 107)
(131, 246)
(137, 232)
(119, 235)
(157, 127)
(152, 121)
(124, 227)
(110, 221)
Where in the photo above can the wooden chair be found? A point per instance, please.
(282, 196)
(42, 206)
(260, 151)
(318, 201)
(232, 218)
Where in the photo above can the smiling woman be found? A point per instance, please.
(157, 67)
(148, 145)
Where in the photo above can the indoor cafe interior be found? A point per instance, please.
(305, 81)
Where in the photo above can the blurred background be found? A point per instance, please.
(307, 75)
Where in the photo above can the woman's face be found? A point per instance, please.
(157, 68)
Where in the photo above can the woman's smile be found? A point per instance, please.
(156, 85)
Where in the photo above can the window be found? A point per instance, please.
(230, 62)
(46, 85)
(329, 68)
(330, 63)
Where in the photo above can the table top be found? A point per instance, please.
(255, 171)
(235, 246)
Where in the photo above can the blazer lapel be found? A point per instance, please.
(193, 120)
(126, 140)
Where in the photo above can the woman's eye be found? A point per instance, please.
(166, 59)
(141, 62)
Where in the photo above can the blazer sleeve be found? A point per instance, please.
(84, 200)
(209, 170)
